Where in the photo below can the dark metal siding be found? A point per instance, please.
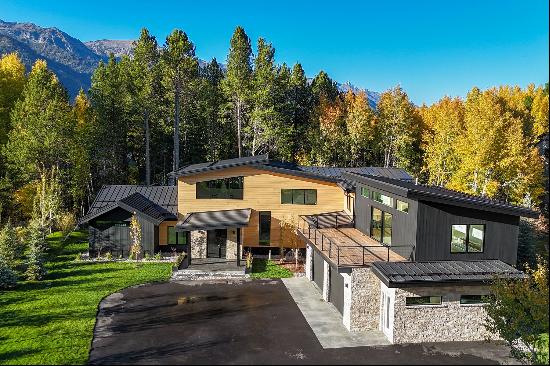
(434, 233)
(336, 293)
(116, 238)
(403, 226)
(318, 269)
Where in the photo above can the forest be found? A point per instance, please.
(161, 109)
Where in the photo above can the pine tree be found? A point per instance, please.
(42, 127)
(301, 103)
(10, 246)
(323, 86)
(237, 84)
(180, 66)
(35, 258)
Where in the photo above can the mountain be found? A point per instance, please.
(74, 61)
(105, 47)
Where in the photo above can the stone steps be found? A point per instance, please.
(194, 274)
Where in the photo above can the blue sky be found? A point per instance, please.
(430, 48)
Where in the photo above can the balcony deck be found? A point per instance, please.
(344, 245)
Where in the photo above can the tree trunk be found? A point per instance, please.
(176, 161)
(239, 127)
(147, 150)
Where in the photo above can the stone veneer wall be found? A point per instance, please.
(431, 323)
(364, 311)
(231, 244)
(309, 262)
(198, 244)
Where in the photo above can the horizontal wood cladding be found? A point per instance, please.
(262, 192)
(163, 231)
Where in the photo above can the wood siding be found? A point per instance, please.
(261, 192)
(163, 231)
(434, 233)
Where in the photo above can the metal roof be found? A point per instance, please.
(155, 200)
(330, 174)
(443, 195)
(210, 220)
(138, 203)
(164, 196)
(403, 274)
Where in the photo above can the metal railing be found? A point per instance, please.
(310, 229)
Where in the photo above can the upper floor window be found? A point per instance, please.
(467, 238)
(365, 192)
(382, 198)
(228, 188)
(349, 202)
(299, 196)
(402, 206)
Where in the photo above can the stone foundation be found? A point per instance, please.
(198, 244)
(449, 321)
(309, 262)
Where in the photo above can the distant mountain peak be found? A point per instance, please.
(104, 47)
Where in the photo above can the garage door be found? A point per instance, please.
(336, 295)
(318, 269)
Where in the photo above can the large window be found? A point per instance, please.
(228, 188)
(176, 238)
(423, 300)
(467, 238)
(382, 198)
(381, 226)
(299, 196)
(265, 227)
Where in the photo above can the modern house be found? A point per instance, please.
(411, 260)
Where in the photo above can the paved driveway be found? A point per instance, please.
(250, 322)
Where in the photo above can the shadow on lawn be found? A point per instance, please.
(259, 265)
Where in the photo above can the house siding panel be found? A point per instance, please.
(403, 226)
(434, 233)
(262, 192)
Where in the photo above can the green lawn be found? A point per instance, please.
(262, 268)
(52, 321)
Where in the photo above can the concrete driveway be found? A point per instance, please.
(240, 322)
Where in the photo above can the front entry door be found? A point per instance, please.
(215, 242)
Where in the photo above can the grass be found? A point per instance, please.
(263, 268)
(52, 321)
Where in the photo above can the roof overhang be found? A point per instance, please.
(421, 274)
(212, 220)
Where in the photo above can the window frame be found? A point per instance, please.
(367, 190)
(203, 189)
(467, 239)
(424, 304)
(484, 299)
(304, 193)
(383, 226)
(382, 195)
(179, 234)
(397, 201)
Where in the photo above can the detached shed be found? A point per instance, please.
(108, 220)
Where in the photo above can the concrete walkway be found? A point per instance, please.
(325, 320)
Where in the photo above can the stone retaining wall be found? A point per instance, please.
(364, 311)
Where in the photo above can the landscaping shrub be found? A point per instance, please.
(180, 258)
(66, 222)
(10, 246)
(8, 278)
(35, 258)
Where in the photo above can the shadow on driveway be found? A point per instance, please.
(245, 322)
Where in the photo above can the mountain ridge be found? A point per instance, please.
(74, 61)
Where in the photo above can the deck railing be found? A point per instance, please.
(309, 227)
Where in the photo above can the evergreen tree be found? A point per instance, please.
(35, 258)
(323, 87)
(10, 246)
(42, 127)
(301, 103)
(180, 67)
(237, 84)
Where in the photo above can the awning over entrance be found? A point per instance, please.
(211, 220)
